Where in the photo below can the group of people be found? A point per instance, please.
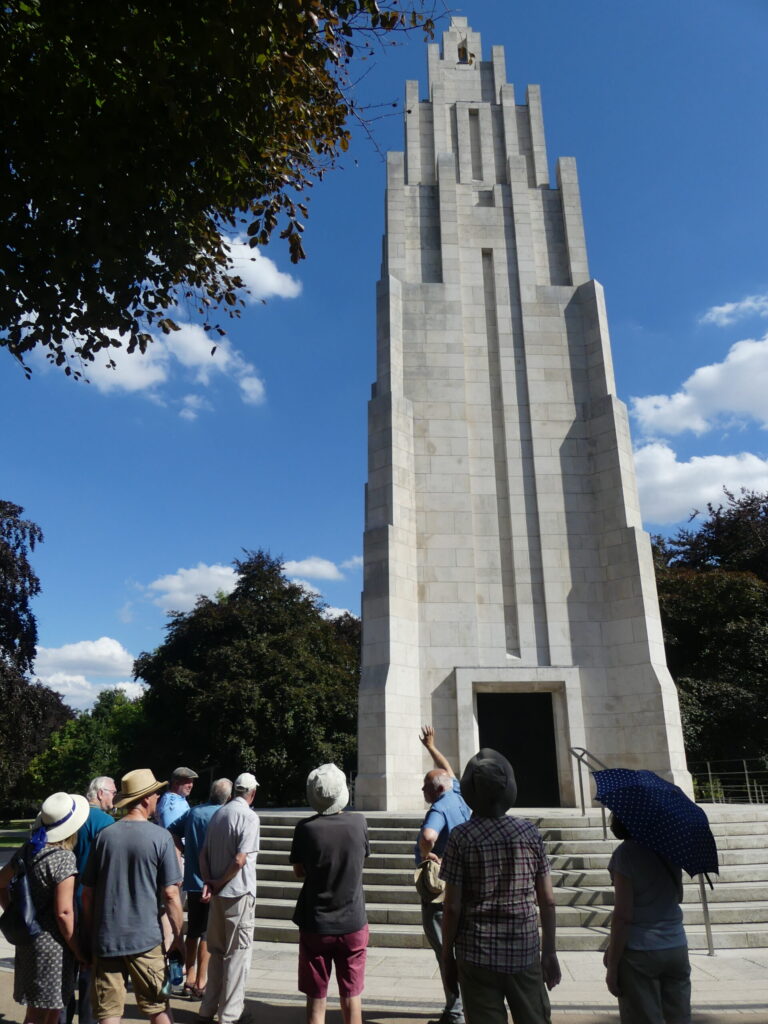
(483, 927)
(107, 896)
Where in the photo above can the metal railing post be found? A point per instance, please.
(707, 922)
(581, 788)
(746, 779)
(583, 759)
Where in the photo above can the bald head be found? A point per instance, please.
(436, 782)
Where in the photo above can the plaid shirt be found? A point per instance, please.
(496, 862)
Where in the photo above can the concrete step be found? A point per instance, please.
(289, 890)
(387, 861)
(583, 893)
(728, 858)
(582, 937)
(373, 876)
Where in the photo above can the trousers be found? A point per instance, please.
(230, 937)
(432, 921)
(655, 986)
(485, 993)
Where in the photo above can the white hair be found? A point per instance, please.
(100, 782)
(221, 791)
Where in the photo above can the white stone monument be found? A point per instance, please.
(509, 594)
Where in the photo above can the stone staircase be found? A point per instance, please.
(579, 856)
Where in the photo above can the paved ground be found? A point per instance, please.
(402, 987)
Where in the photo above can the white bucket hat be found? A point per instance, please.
(327, 791)
(61, 815)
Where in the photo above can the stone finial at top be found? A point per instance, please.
(460, 44)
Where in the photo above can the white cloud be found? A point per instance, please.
(188, 352)
(259, 273)
(178, 591)
(252, 388)
(136, 372)
(722, 393)
(80, 692)
(671, 490)
(730, 312)
(192, 406)
(335, 613)
(131, 689)
(356, 562)
(102, 657)
(305, 585)
(314, 567)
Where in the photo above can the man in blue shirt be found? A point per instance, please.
(447, 810)
(173, 803)
(192, 827)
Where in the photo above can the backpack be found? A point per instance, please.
(19, 922)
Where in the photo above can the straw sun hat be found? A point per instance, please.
(137, 784)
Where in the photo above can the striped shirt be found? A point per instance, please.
(496, 862)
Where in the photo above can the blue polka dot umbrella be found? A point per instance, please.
(659, 815)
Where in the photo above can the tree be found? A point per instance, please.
(713, 596)
(136, 135)
(97, 742)
(733, 536)
(31, 713)
(18, 584)
(258, 680)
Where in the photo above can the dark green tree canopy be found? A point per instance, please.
(733, 536)
(256, 681)
(96, 742)
(18, 585)
(31, 712)
(713, 596)
(135, 134)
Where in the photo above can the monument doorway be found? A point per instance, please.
(521, 726)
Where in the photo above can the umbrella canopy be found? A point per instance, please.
(660, 815)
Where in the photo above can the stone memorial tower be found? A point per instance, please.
(509, 594)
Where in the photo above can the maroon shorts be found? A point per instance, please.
(318, 952)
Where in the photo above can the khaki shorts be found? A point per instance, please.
(146, 971)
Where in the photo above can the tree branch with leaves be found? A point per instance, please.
(137, 137)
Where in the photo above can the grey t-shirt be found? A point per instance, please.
(657, 889)
(234, 829)
(130, 864)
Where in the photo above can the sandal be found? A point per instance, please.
(196, 993)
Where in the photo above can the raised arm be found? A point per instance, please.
(427, 737)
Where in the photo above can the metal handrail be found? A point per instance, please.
(586, 759)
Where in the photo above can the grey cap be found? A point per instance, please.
(184, 773)
(488, 784)
(327, 791)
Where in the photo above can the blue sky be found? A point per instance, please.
(148, 481)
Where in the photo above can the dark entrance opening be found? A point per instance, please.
(522, 728)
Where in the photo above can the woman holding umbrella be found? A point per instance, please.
(662, 830)
(646, 961)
